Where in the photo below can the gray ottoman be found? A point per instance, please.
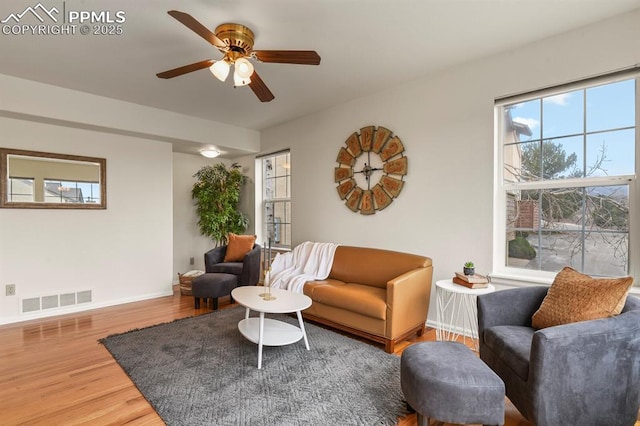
(211, 286)
(448, 382)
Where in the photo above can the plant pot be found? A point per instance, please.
(469, 271)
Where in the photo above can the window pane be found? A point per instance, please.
(285, 235)
(70, 192)
(20, 190)
(282, 165)
(607, 208)
(585, 228)
(594, 253)
(561, 158)
(522, 162)
(563, 114)
(279, 213)
(611, 153)
(522, 121)
(281, 187)
(611, 106)
(512, 163)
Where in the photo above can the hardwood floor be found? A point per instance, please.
(54, 372)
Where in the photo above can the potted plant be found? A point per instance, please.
(217, 194)
(469, 268)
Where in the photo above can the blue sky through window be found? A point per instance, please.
(608, 109)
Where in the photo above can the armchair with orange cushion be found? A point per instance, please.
(240, 257)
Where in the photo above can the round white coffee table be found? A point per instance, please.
(456, 311)
(266, 331)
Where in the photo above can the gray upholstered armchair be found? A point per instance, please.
(247, 271)
(583, 373)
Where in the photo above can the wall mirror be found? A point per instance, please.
(43, 180)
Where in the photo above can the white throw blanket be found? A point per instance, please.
(307, 262)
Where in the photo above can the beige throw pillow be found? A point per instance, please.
(577, 297)
(238, 246)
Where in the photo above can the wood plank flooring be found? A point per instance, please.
(54, 372)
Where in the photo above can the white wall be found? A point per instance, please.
(122, 254)
(446, 124)
(125, 252)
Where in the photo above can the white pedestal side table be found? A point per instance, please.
(457, 311)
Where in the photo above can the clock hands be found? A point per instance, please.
(367, 171)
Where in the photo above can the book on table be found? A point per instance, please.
(473, 279)
(467, 284)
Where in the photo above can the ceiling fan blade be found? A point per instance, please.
(260, 89)
(186, 69)
(195, 26)
(303, 57)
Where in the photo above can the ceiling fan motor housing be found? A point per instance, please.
(238, 38)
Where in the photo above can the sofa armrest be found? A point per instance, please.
(509, 307)
(584, 361)
(408, 300)
(213, 256)
(251, 267)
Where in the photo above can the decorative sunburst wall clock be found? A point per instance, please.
(371, 169)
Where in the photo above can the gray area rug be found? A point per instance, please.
(202, 371)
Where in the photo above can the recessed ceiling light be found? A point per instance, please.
(210, 153)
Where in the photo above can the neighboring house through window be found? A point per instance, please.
(565, 180)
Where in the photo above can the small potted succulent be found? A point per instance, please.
(469, 268)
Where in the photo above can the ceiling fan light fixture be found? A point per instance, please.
(220, 69)
(243, 68)
(209, 153)
(240, 81)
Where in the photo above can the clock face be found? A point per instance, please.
(371, 169)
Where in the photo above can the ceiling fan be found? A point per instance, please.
(235, 42)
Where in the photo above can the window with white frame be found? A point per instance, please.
(276, 198)
(566, 179)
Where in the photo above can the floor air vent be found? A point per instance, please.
(56, 301)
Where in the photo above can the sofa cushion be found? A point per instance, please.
(311, 286)
(512, 344)
(238, 246)
(362, 299)
(234, 268)
(577, 297)
(373, 267)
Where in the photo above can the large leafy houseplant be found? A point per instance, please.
(217, 193)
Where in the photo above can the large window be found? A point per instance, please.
(567, 180)
(276, 196)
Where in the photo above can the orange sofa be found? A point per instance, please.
(380, 295)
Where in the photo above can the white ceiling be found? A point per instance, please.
(365, 45)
